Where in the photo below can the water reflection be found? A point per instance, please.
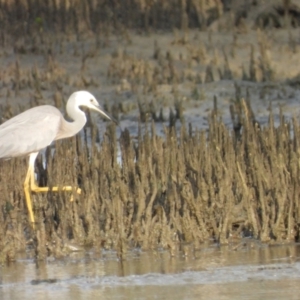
(211, 273)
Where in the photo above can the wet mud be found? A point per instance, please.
(264, 272)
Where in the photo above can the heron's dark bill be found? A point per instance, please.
(113, 120)
(109, 117)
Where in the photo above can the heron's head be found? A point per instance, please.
(84, 98)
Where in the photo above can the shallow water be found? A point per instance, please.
(254, 271)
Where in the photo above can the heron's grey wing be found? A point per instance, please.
(29, 131)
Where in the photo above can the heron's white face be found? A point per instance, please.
(84, 98)
(92, 103)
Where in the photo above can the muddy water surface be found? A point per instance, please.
(251, 272)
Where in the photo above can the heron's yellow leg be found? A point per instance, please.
(45, 189)
(35, 188)
(30, 186)
(27, 196)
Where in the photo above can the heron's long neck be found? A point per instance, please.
(69, 129)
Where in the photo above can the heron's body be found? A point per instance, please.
(36, 128)
(21, 134)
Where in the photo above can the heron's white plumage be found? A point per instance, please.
(38, 127)
(29, 131)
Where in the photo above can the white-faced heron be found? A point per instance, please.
(36, 128)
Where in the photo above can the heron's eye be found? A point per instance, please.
(91, 100)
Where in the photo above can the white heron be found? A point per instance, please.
(36, 128)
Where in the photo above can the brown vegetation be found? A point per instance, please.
(80, 16)
(189, 187)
